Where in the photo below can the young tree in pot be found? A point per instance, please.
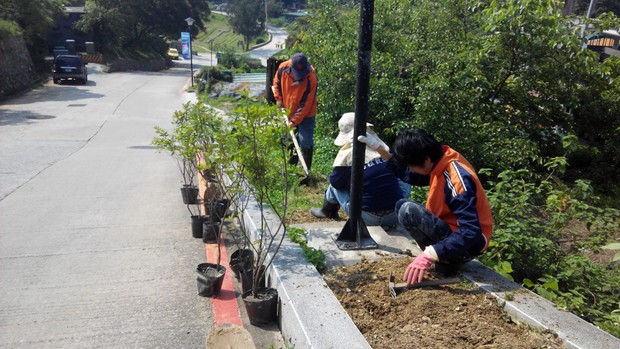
(179, 145)
(205, 123)
(262, 163)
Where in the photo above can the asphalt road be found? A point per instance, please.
(95, 244)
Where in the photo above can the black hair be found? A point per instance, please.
(412, 147)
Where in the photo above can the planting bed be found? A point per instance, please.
(452, 316)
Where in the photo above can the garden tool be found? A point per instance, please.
(297, 148)
(425, 283)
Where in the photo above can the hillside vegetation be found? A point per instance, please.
(510, 85)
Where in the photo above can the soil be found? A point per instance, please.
(449, 316)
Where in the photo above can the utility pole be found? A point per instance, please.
(585, 25)
(355, 235)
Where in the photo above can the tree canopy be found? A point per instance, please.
(125, 25)
(502, 80)
(247, 18)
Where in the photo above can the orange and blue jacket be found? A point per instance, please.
(298, 97)
(457, 197)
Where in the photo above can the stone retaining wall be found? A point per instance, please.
(16, 68)
(123, 64)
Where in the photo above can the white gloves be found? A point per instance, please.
(373, 141)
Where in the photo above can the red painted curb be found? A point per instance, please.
(225, 306)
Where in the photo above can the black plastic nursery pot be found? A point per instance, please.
(197, 228)
(241, 259)
(210, 232)
(217, 209)
(210, 278)
(262, 309)
(246, 276)
(190, 194)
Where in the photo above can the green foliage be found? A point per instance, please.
(239, 63)
(616, 247)
(258, 163)
(32, 20)
(314, 256)
(122, 26)
(9, 28)
(488, 78)
(510, 85)
(247, 19)
(541, 231)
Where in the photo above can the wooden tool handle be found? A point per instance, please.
(426, 283)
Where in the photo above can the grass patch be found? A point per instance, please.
(314, 256)
(224, 39)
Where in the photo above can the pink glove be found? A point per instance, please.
(415, 270)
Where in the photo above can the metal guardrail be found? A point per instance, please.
(250, 77)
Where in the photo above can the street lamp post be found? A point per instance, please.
(190, 21)
(209, 71)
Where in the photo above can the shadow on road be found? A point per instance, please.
(57, 93)
(19, 117)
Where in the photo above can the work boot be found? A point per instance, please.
(307, 155)
(293, 157)
(328, 210)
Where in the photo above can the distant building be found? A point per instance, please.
(64, 30)
(606, 43)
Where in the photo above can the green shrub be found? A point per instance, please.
(542, 230)
(9, 28)
(314, 256)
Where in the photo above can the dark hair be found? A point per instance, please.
(412, 147)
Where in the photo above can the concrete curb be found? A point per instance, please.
(527, 307)
(312, 317)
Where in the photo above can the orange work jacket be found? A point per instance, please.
(298, 97)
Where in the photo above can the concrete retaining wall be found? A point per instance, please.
(310, 315)
(123, 64)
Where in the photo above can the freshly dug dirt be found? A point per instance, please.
(452, 316)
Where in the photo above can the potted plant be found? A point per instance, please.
(260, 166)
(205, 123)
(179, 144)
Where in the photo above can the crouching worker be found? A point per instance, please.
(381, 188)
(456, 224)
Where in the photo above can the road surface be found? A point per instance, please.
(95, 244)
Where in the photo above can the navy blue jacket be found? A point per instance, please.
(381, 187)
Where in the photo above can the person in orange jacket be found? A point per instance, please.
(294, 88)
(456, 224)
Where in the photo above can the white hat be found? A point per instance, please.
(345, 156)
(346, 125)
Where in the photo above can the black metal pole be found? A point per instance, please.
(355, 228)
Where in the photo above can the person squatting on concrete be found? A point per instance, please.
(456, 224)
(381, 188)
(294, 88)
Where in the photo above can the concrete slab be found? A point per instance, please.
(392, 244)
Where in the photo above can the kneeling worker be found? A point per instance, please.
(456, 224)
(381, 188)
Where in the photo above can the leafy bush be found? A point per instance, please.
(9, 28)
(543, 230)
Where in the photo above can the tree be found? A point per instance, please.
(120, 25)
(247, 19)
(499, 80)
(32, 20)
